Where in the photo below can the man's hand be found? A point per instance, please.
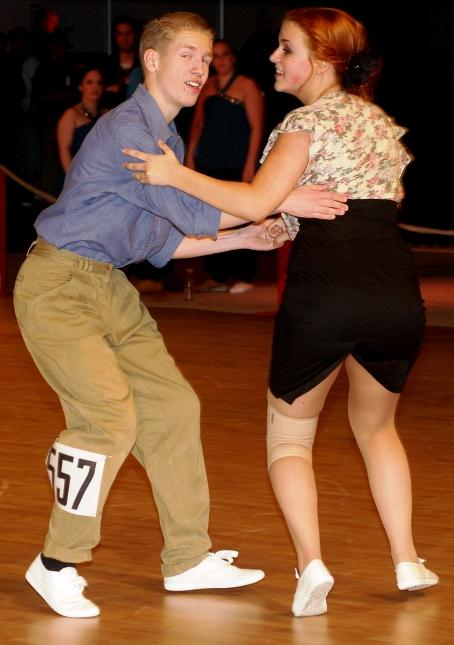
(277, 231)
(314, 202)
(265, 236)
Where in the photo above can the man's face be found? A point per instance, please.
(179, 73)
(125, 37)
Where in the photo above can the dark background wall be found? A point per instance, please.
(416, 86)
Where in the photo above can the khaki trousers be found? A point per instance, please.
(98, 347)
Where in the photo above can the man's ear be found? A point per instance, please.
(150, 59)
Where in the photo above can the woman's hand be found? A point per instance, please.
(315, 201)
(154, 169)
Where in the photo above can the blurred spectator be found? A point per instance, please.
(225, 140)
(52, 81)
(52, 93)
(135, 77)
(124, 60)
(27, 159)
(77, 121)
(48, 23)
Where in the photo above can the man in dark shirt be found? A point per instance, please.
(97, 345)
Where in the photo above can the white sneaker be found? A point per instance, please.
(62, 590)
(412, 576)
(214, 572)
(312, 587)
(212, 286)
(241, 287)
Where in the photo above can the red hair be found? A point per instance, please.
(335, 37)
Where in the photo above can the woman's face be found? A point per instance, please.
(92, 86)
(294, 67)
(223, 59)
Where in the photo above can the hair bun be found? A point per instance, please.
(360, 67)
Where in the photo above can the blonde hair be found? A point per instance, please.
(158, 32)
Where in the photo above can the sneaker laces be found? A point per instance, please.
(72, 583)
(225, 555)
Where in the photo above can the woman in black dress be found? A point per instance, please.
(76, 122)
(352, 296)
(225, 140)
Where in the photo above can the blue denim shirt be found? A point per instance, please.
(103, 214)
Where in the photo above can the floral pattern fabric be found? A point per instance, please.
(354, 148)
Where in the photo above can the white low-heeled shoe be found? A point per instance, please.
(312, 587)
(412, 576)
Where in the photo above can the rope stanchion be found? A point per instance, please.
(426, 231)
(47, 197)
(6, 172)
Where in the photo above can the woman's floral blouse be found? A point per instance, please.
(354, 149)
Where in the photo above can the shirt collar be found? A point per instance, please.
(167, 132)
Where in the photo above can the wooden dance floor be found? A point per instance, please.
(225, 357)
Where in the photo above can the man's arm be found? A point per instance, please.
(257, 237)
(190, 215)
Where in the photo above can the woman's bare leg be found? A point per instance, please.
(292, 478)
(371, 410)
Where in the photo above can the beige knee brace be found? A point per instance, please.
(289, 437)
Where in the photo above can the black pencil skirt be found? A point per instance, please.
(351, 289)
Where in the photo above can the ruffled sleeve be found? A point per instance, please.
(292, 225)
(297, 120)
(405, 156)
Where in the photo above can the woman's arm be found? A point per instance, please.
(304, 201)
(65, 135)
(271, 185)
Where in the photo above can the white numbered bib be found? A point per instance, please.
(75, 476)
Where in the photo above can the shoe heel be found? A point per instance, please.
(312, 588)
(413, 576)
